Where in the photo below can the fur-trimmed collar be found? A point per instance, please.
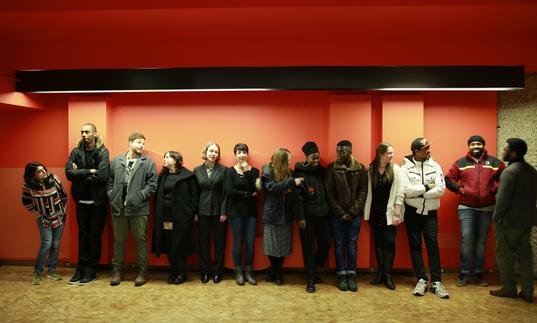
(99, 141)
(353, 166)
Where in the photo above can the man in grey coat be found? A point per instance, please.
(132, 180)
(515, 214)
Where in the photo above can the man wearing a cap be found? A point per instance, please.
(513, 218)
(424, 185)
(475, 179)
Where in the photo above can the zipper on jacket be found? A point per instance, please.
(479, 164)
(422, 182)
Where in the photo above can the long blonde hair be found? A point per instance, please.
(280, 164)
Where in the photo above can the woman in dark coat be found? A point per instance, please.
(175, 206)
(281, 206)
(211, 217)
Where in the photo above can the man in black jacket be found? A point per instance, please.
(87, 168)
(515, 214)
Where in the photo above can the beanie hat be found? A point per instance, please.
(309, 148)
(476, 138)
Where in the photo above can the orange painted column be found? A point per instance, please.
(81, 110)
(402, 122)
(350, 118)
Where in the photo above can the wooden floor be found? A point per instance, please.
(157, 301)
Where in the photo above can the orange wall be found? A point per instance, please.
(263, 120)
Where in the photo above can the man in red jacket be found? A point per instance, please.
(474, 178)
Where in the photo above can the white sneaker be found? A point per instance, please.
(439, 290)
(421, 287)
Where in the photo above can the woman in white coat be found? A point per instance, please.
(384, 209)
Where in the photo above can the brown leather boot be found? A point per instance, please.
(117, 277)
(141, 279)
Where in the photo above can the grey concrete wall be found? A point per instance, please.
(517, 117)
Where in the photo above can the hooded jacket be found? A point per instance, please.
(143, 183)
(476, 182)
(83, 182)
(417, 175)
(346, 188)
(313, 192)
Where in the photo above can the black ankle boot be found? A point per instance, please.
(379, 279)
(388, 282)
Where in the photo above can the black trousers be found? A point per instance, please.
(384, 236)
(426, 225)
(315, 239)
(211, 226)
(176, 254)
(91, 219)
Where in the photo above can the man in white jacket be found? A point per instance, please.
(424, 185)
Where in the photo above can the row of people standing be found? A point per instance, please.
(338, 197)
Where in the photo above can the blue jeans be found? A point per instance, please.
(243, 230)
(50, 244)
(346, 237)
(475, 227)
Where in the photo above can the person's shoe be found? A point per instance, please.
(117, 277)
(527, 299)
(478, 279)
(379, 279)
(388, 282)
(351, 282)
(503, 293)
(171, 278)
(421, 287)
(239, 276)
(204, 278)
(88, 279)
(141, 279)
(36, 279)
(179, 279)
(342, 283)
(248, 276)
(76, 278)
(270, 278)
(310, 286)
(439, 290)
(462, 280)
(217, 278)
(278, 279)
(54, 275)
(318, 279)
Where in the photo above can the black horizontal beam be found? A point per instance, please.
(276, 78)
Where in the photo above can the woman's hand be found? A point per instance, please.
(298, 181)
(223, 218)
(196, 219)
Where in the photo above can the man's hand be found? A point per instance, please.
(302, 224)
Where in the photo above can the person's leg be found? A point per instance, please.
(220, 235)
(324, 239)
(352, 253)
(54, 250)
(204, 244)
(339, 236)
(430, 235)
(96, 227)
(388, 251)
(468, 220)
(378, 237)
(249, 225)
(138, 226)
(120, 226)
(83, 217)
(236, 224)
(307, 240)
(525, 263)
(44, 246)
(414, 229)
(505, 258)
